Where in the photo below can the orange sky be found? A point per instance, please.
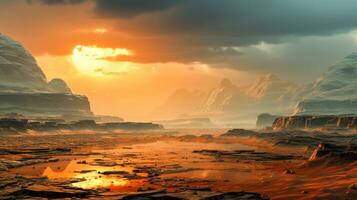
(131, 89)
(136, 93)
(132, 57)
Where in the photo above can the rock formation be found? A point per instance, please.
(44, 104)
(320, 121)
(221, 97)
(342, 153)
(24, 88)
(269, 88)
(59, 86)
(333, 93)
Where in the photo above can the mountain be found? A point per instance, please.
(24, 88)
(339, 82)
(221, 97)
(264, 94)
(182, 102)
(19, 71)
(335, 92)
(269, 88)
(228, 103)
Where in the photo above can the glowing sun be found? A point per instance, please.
(93, 60)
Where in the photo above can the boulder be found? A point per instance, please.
(239, 132)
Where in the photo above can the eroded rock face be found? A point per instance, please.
(24, 88)
(305, 122)
(326, 107)
(19, 71)
(46, 104)
(334, 93)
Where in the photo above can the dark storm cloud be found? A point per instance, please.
(237, 18)
(131, 8)
(63, 1)
(200, 25)
(56, 2)
(217, 32)
(228, 21)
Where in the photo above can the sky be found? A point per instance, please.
(128, 56)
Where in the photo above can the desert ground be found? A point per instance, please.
(176, 164)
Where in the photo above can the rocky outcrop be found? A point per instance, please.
(24, 88)
(25, 124)
(308, 121)
(45, 104)
(17, 124)
(334, 93)
(59, 86)
(332, 151)
(19, 71)
(326, 107)
(240, 132)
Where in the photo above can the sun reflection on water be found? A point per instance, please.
(93, 181)
(88, 180)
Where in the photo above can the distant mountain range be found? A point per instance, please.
(335, 92)
(25, 89)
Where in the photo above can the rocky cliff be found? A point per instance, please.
(24, 87)
(326, 107)
(322, 121)
(334, 93)
(49, 104)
